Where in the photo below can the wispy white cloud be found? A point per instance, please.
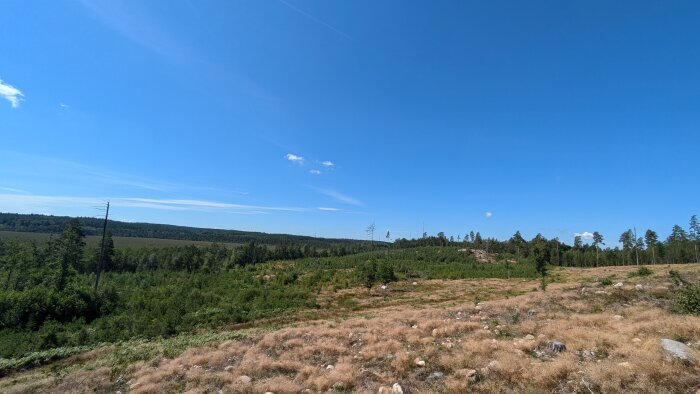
(313, 18)
(327, 163)
(584, 235)
(42, 168)
(13, 190)
(488, 214)
(315, 172)
(294, 158)
(328, 209)
(33, 203)
(11, 94)
(340, 197)
(62, 105)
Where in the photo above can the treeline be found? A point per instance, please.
(681, 246)
(215, 257)
(93, 226)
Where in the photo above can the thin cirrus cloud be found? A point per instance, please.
(488, 214)
(315, 172)
(11, 94)
(327, 163)
(340, 197)
(584, 235)
(24, 202)
(328, 209)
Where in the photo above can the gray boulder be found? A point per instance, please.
(556, 346)
(677, 350)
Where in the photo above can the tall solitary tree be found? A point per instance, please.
(597, 241)
(370, 231)
(71, 242)
(627, 241)
(651, 240)
(540, 253)
(694, 234)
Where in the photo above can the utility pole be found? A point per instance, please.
(102, 249)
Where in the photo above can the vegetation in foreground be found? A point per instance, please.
(495, 336)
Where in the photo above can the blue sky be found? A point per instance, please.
(319, 117)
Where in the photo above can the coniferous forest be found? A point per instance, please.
(50, 295)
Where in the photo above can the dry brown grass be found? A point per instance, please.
(361, 353)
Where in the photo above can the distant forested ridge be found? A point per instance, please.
(93, 226)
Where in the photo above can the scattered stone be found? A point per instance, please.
(436, 375)
(269, 392)
(415, 326)
(435, 332)
(384, 287)
(228, 368)
(639, 287)
(449, 345)
(677, 350)
(478, 307)
(486, 327)
(636, 340)
(329, 367)
(497, 332)
(601, 292)
(618, 285)
(531, 313)
(396, 389)
(384, 390)
(245, 379)
(556, 346)
(625, 364)
(618, 317)
(419, 362)
(529, 337)
(415, 283)
(493, 365)
(541, 336)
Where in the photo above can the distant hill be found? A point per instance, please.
(34, 223)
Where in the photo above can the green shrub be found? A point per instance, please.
(687, 299)
(641, 271)
(605, 281)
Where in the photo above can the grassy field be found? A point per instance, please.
(427, 335)
(119, 242)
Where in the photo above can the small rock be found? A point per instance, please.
(493, 365)
(419, 362)
(556, 346)
(625, 364)
(228, 368)
(478, 307)
(384, 390)
(636, 340)
(436, 375)
(531, 313)
(618, 317)
(529, 337)
(269, 392)
(486, 327)
(245, 379)
(601, 292)
(677, 350)
(396, 389)
(415, 326)
(435, 332)
(449, 345)
(415, 283)
(329, 367)
(639, 287)
(384, 287)
(497, 332)
(618, 285)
